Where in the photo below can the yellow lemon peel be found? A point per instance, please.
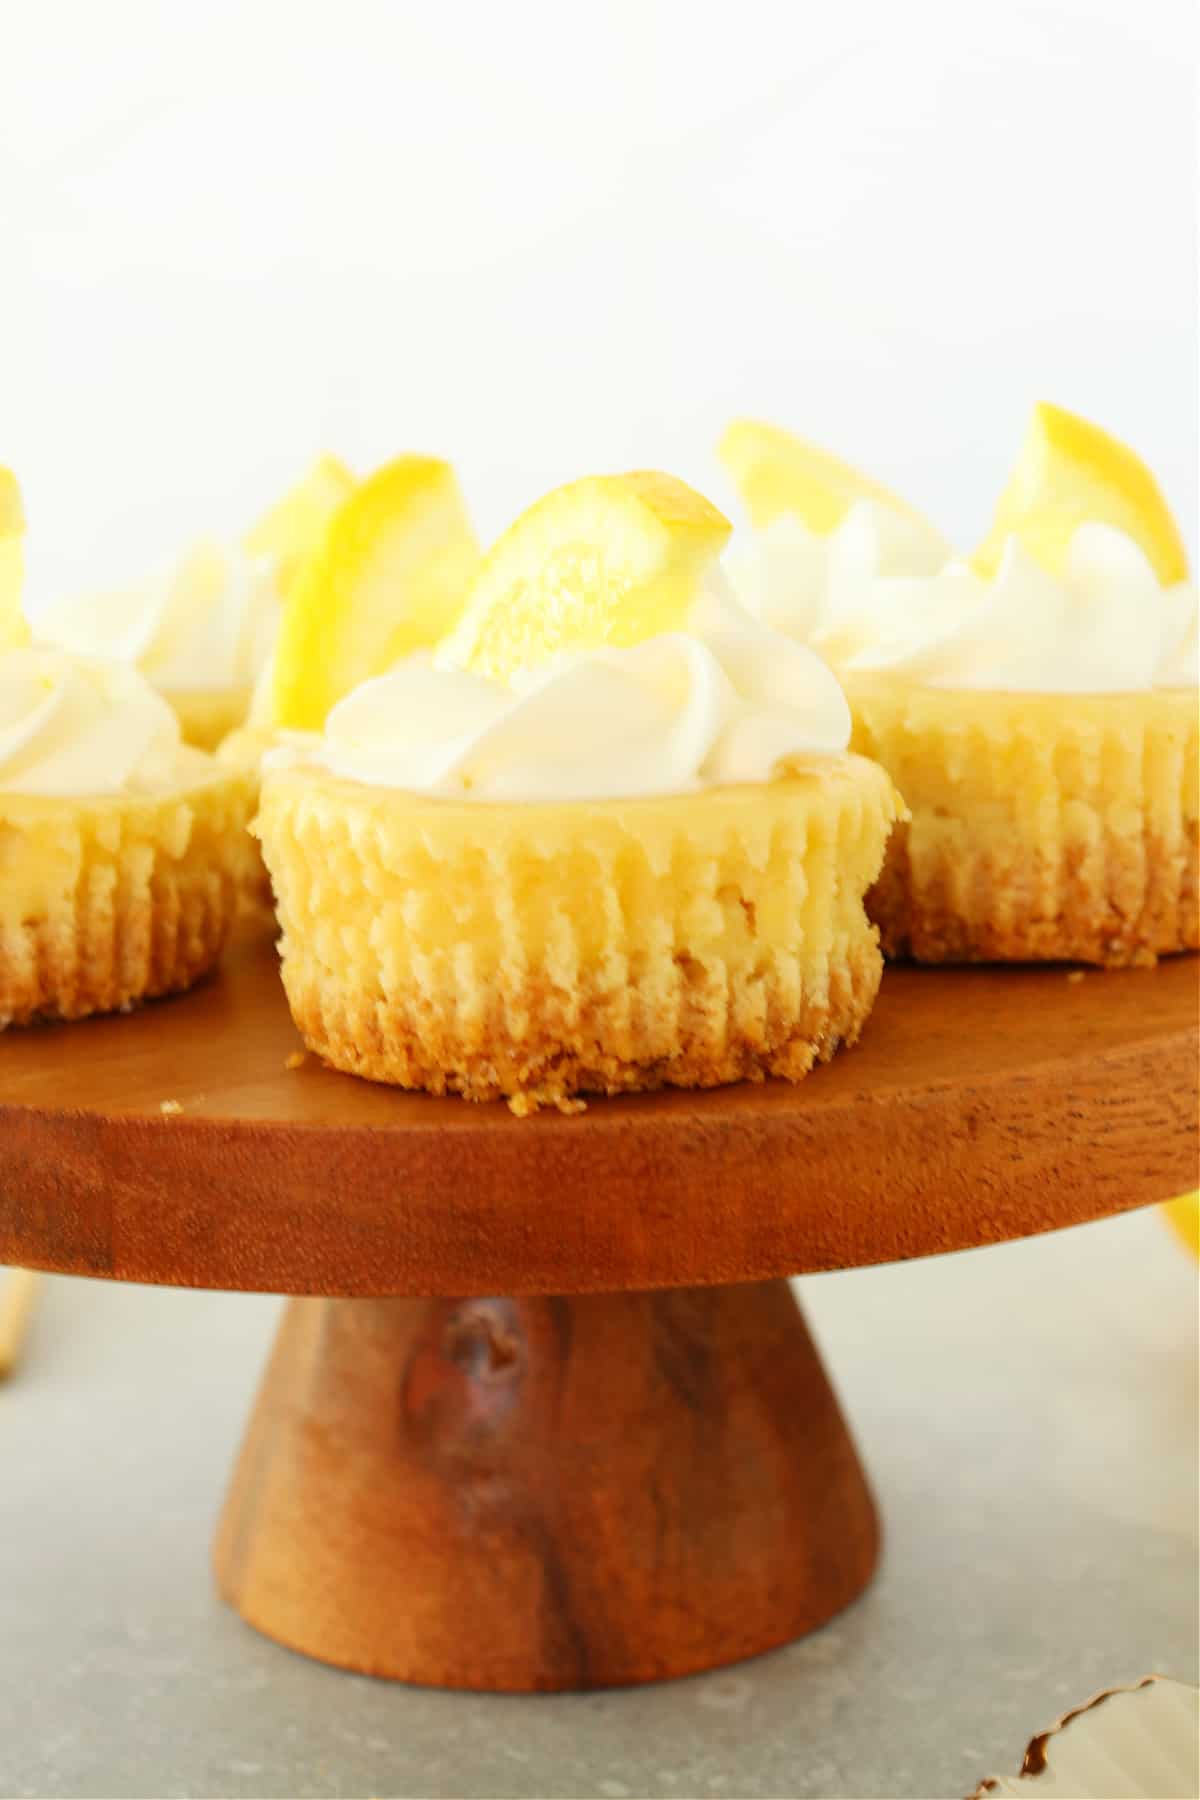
(291, 529)
(386, 576)
(777, 473)
(1071, 473)
(610, 559)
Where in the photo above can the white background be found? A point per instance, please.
(550, 239)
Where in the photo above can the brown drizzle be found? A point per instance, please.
(1035, 1754)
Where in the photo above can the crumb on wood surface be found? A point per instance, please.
(523, 1105)
(296, 1060)
(170, 1107)
(1075, 974)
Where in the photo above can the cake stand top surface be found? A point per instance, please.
(177, 1145)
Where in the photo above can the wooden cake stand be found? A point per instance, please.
(647, 1474)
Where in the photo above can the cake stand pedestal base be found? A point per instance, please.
(532, 1493)
(524, 1494)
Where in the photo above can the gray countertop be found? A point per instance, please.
(1028, 1415)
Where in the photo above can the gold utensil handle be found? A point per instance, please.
(18, 1290)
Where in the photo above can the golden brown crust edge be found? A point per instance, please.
(548, 1065)
(1008, 921)
(112, 901)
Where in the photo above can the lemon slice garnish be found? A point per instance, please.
(1071, 473)
(777, 473)
(13, 629)
(386, 576)
(291, 529)
(611, 559)
(1183, 1215)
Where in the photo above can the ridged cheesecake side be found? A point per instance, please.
(110, 900)
(243, 751)
(538, 951)
(1044, 826)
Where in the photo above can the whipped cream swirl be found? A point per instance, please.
(872, 598)
(77, 726)
(205, 623)
(725, 701)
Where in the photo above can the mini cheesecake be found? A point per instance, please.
(609, 837)
(122, 851)
(538, 951)
(1036, 706)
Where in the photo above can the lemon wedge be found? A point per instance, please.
(386, 575)
(776, 473)
(1183, 1215)
(13, 629)
(1071, 473)
(611, 559)
(291, 529)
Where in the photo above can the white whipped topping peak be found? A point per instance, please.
(725, 701)
(869, 599)
(205, 622)
(77, 726)
(797, 580)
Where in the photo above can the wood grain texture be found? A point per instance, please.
(981, 1104)
(556, 1493)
